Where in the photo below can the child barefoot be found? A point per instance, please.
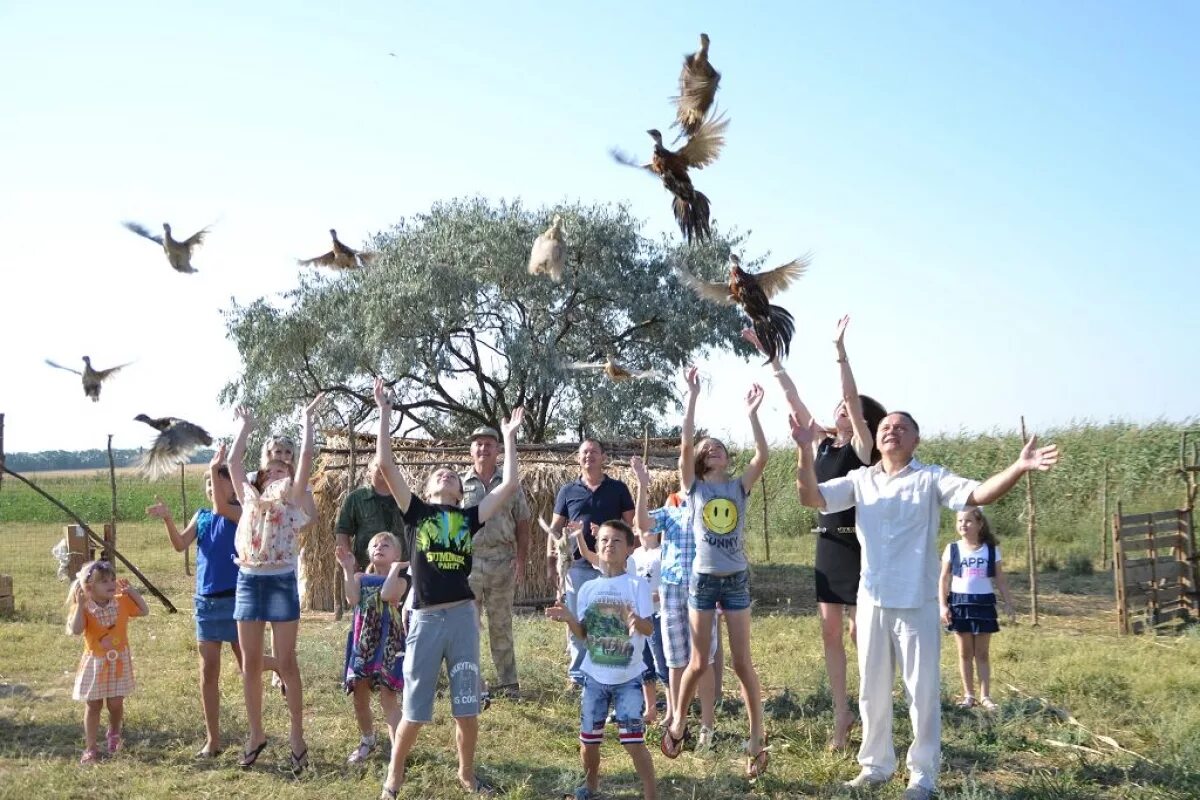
(614, 622)
(99, 607)
(375, 645)
(970, 566)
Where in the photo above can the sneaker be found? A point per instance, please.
(865, 780)
(366, 746)
(704, 742)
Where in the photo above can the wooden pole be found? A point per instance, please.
(187, 551)
(339, 596)
(766, 534)
(1, 450)
(91, 533)
(1104, 520)
(1031, 530)
(110, 545)
(1118, 562)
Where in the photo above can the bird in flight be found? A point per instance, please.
(92, 378)
(698, 82)
(340, 257)
(549, 250)
(179, 253)
(174, 445)
(616, 372)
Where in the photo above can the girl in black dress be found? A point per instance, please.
(848, 445)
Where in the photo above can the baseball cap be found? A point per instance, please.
(484, 430)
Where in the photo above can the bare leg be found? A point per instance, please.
(362, 707)
(406, 737)
(250, 636)
(210, 694)
(466, 734)
(116, 714)
(237, 653)
(832, 615)
(91, 723)
(590, 755)
(701, 626)
(642, 762)
(983, 666)
(649, 700)
(718, 664)
(966, 662)
(392, 710)
(738, 624)
(283, 641)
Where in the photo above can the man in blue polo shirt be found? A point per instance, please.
(590, 501)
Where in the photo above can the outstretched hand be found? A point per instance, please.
(754, 399)
(382, 394)
(159, 509)
(218, 457)
(310, 410)
(639, 470)
(692, 377)
(557, 612)
(1037, 458)
(750, 336)
(841, 331)
(510, 426)
(345, 558)
(802, 435)
(244, 415)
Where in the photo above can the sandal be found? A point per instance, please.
(756, 765)
(366, 746)
(670, 746)
(480, 787)
(250, 756)
(582, 793)
(114, 741)
(90, 756)
(204, 753)
(967, 702)
(987, 703)
(299, 762)
(388, 794)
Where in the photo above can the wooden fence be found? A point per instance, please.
(1152, 568)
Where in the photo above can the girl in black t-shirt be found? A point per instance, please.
(444, 625)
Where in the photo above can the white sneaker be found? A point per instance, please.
(917, 792)
(865, 780)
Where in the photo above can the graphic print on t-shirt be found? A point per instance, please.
(445, 540)
(608, 641)
(720, 516)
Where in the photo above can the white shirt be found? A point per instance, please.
(897, 518)
(648, 561)
(973, 566)
(612, 656)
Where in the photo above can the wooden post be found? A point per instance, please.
(766, 535)
(1031, 530)
(1118, 562)
(1104, 534)
(78, 552)
(187, 557)
(1, 450)
(339, 596)
(110, 535)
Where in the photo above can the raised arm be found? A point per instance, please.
(350, 573)
(1032, 458)
(641, 513)
(510, 483)
(863, 440)
(687, 448)
(762, 452)
(785, 381)
(806, 474)
(134, 595)
(307, 445)
(383, 450)
(237, 459)
(76, 623)
(179, 540)
(396, 584)
(222, 504)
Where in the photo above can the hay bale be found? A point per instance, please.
(542, 471)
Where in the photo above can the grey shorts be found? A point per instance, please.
(436, 635)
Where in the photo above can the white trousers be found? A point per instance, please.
(912, 639)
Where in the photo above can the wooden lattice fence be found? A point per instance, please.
(1152, 568)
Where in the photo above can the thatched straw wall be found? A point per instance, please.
(543, 470)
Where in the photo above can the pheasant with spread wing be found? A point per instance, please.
(698, 82)
(92, 378)
(174, 445)
(340, 257)
(616, 372)
(179, 253)
(772, 324)
(691, 206)
(549, 251)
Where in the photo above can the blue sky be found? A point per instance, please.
(1002, 196)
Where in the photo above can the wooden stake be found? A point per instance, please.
(1104, 521)
(109, 546)
(1031, 530)
(766, 534)
(187, 557)
(1, 450)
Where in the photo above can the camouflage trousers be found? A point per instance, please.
(493, 580)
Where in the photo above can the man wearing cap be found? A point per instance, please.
(499, 554)
(365, 512)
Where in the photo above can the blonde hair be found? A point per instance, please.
(87, 574)
(382, 536)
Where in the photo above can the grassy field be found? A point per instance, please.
(1083, 713)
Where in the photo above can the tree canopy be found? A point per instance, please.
(450, 318)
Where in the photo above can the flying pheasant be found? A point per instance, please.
(616, 372)
(179, 254)
(340, 257)
(697, 88)
(173, 446)
(773, 325)
(691, 206)
(546, 258)
(92, 378)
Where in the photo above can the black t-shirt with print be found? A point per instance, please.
(440, 545)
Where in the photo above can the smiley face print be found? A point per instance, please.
(720, 516)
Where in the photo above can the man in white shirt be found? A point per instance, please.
(898, 504)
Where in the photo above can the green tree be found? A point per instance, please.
(450, 318)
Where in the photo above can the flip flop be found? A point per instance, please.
(480, 787)
(250, 756)
(675, 747)
(756, 765)
(299, 762)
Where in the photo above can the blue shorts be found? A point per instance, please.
(214, 618)
(731, 592)
(626, 699)
(267, 598)
(435, 635)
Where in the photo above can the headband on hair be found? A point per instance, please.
(85, 572)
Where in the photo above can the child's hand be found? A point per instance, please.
(218, 457)
(841, 332)
(802, 435)
(510, 426)
(345, 558)
(382, 395)
(557, 612)
(631, 619)
(244, 415)
(754, 399)
(159, 509)
(945, 615)
(123, 585)
(750, 336)
(80, 594)
(639, 470)
(310, 410)
(692, 377)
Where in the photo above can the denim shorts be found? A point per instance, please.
(214, 618)
(731, 592)
(449, 634)
(267, 598)
(627, 701)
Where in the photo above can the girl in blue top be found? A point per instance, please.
(720, 575)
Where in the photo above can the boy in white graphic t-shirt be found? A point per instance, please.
(614, 621)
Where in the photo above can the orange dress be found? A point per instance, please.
(106, 668)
